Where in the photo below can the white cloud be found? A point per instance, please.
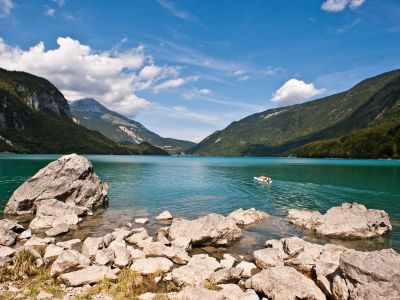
(180, 13)
(195, 92)
(241, 75)
(50, 12)
(174, 83)
(79, 71)
(295, 91)
(340, 5)
(270, 71)
(6, 6)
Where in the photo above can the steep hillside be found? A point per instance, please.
(282, 130)
(92, 115)
(380, 141)
(35, 118)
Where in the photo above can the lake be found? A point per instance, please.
(194, 186)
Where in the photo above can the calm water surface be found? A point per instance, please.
(193, 186)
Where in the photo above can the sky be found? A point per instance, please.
(187, 68)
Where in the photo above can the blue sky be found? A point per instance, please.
(187, 68)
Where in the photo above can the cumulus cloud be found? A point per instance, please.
(340, 5)
(78, 71)
(295, 91)
(6, 6)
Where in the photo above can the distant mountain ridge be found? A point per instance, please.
(36, 118)
(282, 131)
(95, 116)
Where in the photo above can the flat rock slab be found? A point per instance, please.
(345, 221)
(284, 283)
(141, 221)
(88, 275)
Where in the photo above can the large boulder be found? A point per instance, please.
(248, 216)
(368, 275)
(212, 229)
(69, 179)
(284, 283)
(345, 221)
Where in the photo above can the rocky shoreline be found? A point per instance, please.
(131, 263)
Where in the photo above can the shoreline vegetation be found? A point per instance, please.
(131, 263)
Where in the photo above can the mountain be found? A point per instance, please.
(92, 115)
(282, 130)
(36, 118)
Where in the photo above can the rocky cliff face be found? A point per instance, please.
(38, 93)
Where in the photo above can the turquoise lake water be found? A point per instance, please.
(193, 186)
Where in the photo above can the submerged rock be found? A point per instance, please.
(165, 215)
(284, 283)
(212, 229)
(69, 179)
(345, 221)
(249, 216)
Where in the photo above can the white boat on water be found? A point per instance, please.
(263, 179)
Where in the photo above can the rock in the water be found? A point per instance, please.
(69, 179)
(284, 283)
(346, 221)
(67, 261)
(57, 230)
(151, 265)
(212, 229)
(197, 271)
(88, 275)
(165, 215)
(141, 221)
(249, 216)
(368, 275)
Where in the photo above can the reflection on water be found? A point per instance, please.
(193, 186)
